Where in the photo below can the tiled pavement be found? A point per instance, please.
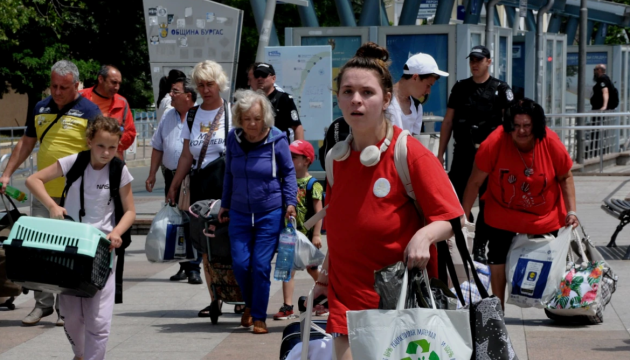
(159, 318)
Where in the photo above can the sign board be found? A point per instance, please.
(305, 72)
(427, 9)
(183, 33)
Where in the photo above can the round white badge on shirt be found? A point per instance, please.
(381, 187)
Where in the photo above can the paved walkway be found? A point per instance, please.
(158, 319)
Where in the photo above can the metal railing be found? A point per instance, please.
(601, 133)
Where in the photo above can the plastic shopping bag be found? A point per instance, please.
(167, 239)
(306, 254)
(535, 267)
(409, 333)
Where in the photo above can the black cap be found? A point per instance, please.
(263, 68)
(479, 52)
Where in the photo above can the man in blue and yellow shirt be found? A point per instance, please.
(59, 123)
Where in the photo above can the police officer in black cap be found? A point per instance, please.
(287, 116)
(474, 110)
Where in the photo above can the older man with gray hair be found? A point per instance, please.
(59, 123)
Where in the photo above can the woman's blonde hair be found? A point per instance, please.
(209, 70)
(245, 99)
(105, 124)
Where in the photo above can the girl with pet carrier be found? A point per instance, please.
(88, 320)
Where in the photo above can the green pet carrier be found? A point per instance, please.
(58, 256)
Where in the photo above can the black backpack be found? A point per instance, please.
(613, 99)
(115, 172)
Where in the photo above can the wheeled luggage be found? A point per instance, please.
(215, 244)
(58, 256)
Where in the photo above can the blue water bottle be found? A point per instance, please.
(286, 250)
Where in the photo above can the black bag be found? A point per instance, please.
(490, 336)
(208, 182)
(7, 287)
(613, 100)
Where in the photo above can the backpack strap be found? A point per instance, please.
(76, 171)
(124, 117)
(115, 173)
(190, 117)
(310, 209)
(402, 168)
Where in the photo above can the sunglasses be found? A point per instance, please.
(260, 74)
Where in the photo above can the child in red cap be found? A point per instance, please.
(309, 201)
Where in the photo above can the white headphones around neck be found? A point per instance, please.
(370, 156)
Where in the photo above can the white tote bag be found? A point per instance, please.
(320, 349)
(535, 267)
(167, 239)
(409, 333)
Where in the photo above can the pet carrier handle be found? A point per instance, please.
(68, 217)
(308, 324)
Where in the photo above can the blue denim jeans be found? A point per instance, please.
(254, 239)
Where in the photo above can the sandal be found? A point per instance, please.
(239, 309)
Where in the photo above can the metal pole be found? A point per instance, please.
(409, 12)
(370, 15)
(346, 16)
(258, 8)
(582, 78)
(539, 50)
(473, 11)
(265, 30)
(307, 15)
(516, 23)
(443, 12)
(490, 30)
(571, 30)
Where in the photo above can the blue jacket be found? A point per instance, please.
(261, 180)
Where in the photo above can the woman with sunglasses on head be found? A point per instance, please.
(371, 221)
(530, 184)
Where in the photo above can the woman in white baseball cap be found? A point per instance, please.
(419, 74)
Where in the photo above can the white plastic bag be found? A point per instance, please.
(409, 333)
(535, 267)
(306, 255)
(167, 239)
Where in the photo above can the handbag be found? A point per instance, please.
(184, 194)
(409, 333)
(535, 267)
(487, 323)
(7, 287)
(587, 286)
(208, 181)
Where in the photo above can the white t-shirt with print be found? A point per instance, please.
(411, 122)
(201, 125)
(99, 210)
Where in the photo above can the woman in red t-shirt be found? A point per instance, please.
(371, 222)
(530, 185)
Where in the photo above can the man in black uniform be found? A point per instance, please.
(605, 97)
(287, 116)
(474, 110)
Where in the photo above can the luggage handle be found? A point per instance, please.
(308, 324)
(578, 241)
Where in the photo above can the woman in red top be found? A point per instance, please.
(371, 222)
(530, 185)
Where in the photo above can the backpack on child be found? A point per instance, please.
(115, 173)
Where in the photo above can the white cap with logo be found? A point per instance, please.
(423, 64)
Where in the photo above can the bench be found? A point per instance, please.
(620, 209)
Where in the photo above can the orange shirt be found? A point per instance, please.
(103, 103)
(519, 203)
(369, 227)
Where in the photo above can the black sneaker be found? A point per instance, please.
(286, 312)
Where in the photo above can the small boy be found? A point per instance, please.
(309, 201)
